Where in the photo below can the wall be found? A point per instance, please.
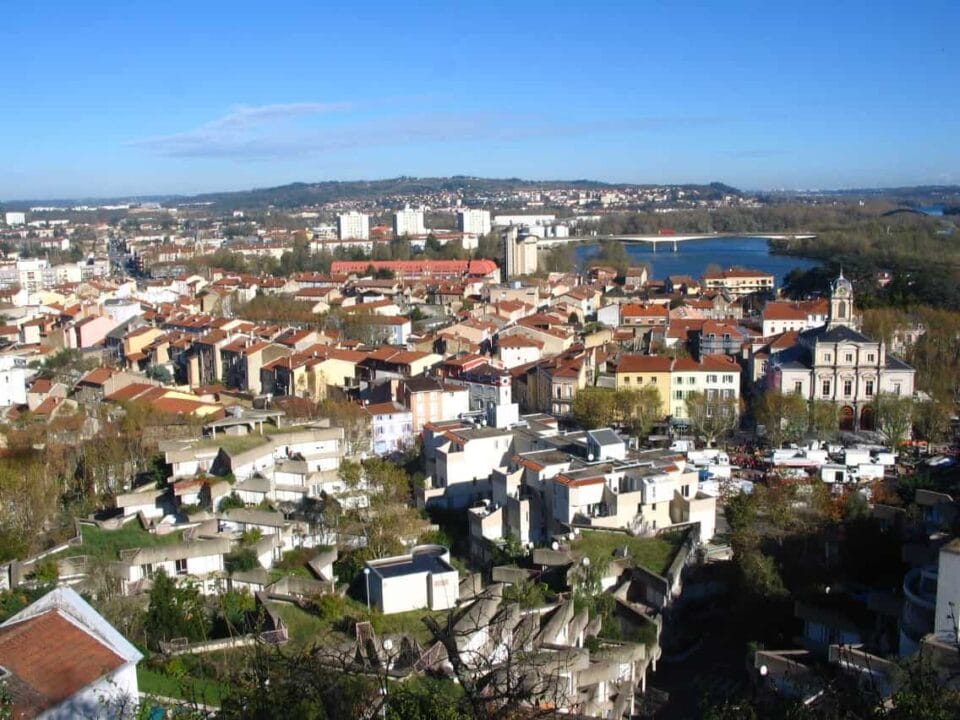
(948, 590)
(399, 594)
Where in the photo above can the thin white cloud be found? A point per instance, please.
(235, 132)
(272, 132)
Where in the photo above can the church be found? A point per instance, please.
(837, 362)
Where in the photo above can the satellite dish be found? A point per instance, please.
(554, 545)
(590, 457)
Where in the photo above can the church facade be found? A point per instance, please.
(837, 362)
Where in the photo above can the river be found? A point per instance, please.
(693, 257)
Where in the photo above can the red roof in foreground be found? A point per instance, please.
(51, 659)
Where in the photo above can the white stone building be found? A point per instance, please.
(353, 226)
(408, 222)
(474, 221)
(837, 362)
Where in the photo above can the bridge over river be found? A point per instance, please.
(673, 240)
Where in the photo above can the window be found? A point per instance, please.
(626, 380)
(847, 388)
(653, 381)
(147, 570)
(685, 490)
(896, 388)
(825, 389)
(798, 387)
(653, 506)
(728, 378)
(849, 357)
(678, 394)
(827, 357)
(182, 566)
(870, 357)
(868, 388)
(711, 378)
(679, 381)
(639, 508)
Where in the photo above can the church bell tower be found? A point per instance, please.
(841, 303)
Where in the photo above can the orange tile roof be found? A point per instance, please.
(386, 408)
(578, 482)
(783, 311)
(97, 376)
(643, 363)
(634, 310)
(52, 659)
(518, 341)
(715, 363)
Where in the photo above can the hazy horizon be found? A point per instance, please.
(115, 101)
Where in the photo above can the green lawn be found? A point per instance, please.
(304, 628)
(234, 444)
(655, 554)
(201, 690)
(285, 430)
(107, 544)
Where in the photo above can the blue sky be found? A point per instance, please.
(117, 98)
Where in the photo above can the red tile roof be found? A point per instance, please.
(51, 660)
(715, 363)
(643, 363)
(633, 310)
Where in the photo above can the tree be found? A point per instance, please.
(302, 684)
(174, 611)
(614, 253)
(894, 415)
(159, 373)
(639, 409)
(711, 418)
(354, 420)
(931, 418)
(825, 419)
(783, 415)
(593, 407)
(388, 523)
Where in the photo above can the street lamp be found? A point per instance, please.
(763, 671)
(366, 575)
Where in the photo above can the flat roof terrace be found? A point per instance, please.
(418, 562)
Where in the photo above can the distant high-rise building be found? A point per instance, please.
(474, 221)
(520, 253)
(15, 218)
(408, 222)
(353, 226)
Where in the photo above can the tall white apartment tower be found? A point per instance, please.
(474, 221)
(353, 226)
(408, 222)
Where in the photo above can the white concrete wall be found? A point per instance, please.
(13, 386)
(948, 593)
(444, 590)
(400, 594)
